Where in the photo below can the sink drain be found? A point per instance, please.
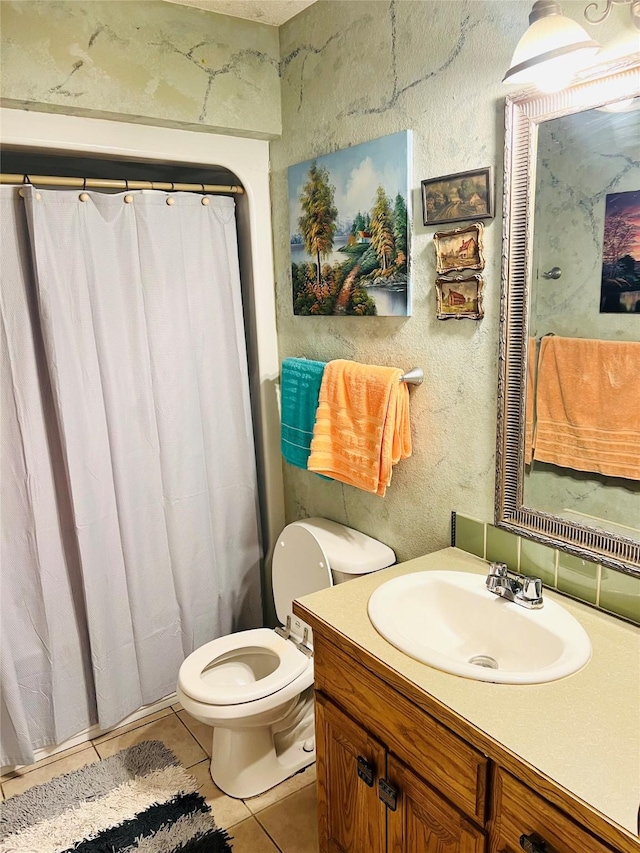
(484, 660)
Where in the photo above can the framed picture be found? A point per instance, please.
(459, 297)
(460, 249)
(458, 198)
(620, 284)
(350, 230)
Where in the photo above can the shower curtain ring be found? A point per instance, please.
(128, 199)
(84, 183)
(25, 181)
(205, 200)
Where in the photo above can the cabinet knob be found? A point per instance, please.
(533, 843)
(366, 771)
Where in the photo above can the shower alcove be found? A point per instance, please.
(61, 145)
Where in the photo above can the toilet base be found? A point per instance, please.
(248, 761)
(245, 762)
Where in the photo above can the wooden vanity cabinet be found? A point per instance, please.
(349, 764)
(518, 811)
(424, 822)
(392, 778)
(370, 802)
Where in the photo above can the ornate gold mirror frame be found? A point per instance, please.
(524, 112)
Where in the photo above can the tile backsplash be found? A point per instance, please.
(602, 587)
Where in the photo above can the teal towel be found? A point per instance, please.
(300, 382)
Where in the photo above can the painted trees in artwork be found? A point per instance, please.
(353, 255)
(400, 227)
(619, 237)
(319, 214)
(382, 229)
(620, 287)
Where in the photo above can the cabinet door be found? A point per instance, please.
(351, 817)
(424, 822)
(521, 820)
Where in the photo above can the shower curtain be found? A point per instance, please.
(129, 493)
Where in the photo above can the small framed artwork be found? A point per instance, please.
(458, 198)
(460, 249)
(620, 285)
(459, 297)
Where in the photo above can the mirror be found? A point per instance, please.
(570, 319)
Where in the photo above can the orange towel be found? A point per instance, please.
(588, 406)
(362, 425)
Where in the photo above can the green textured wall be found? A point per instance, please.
(353, 71)
(144, 60)
(338, 74)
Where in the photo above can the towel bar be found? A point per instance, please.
(415, 376)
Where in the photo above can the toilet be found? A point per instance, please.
(255, 688)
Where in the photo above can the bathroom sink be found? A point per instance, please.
(450, 621)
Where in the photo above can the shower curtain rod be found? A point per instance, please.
(103, 183)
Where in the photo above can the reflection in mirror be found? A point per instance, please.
(587, 226)
(568, 450)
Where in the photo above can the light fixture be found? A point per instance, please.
(552, 50)
(634, 8)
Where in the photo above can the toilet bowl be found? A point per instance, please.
(255, 688)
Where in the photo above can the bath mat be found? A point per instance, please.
(141, 800)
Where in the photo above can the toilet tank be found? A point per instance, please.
(316, 553)
(349, 552)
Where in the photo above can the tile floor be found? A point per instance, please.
(282, 820)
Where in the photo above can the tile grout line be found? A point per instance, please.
(272, 805)
(197, 742)
(266, 831)
(130, 727)
(91, 744)
(282, 799)
(84, 745)
(49, 760)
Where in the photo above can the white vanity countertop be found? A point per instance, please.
(583, 731)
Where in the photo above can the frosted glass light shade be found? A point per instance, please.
(551, 51)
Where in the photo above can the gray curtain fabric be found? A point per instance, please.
(138, 346)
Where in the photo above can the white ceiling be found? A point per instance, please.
(273, 12)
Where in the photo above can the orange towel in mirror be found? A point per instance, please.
(362, 425)
(588, 406)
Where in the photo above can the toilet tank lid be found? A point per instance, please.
(347, 550)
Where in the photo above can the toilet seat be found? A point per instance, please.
(292, 662)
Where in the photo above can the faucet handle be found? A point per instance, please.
(531, 589)
(498, 570)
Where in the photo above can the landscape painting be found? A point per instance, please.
(459, 297)
(454, 198)
(460, 249)
(620, 288)
(349, 230)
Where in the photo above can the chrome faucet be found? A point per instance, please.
(521, 589)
